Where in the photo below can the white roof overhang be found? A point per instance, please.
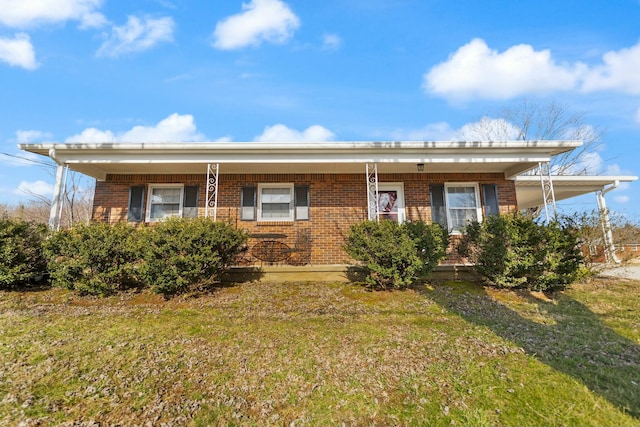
(101, 159)
(529, 187)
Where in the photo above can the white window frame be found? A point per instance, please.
(290, 187)
(448, 208)
(399, 188)
(150, 203)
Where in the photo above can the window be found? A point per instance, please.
(462, 203)
(274, 202)
(165, 200)
(490, 199)
(136, 204)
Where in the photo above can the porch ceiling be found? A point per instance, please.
(529, 189)
(99, 160)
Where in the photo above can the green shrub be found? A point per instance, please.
(95, 259)
(395, 255)
(431, 242)
(181, 253)
(21, 259)
(514, 251)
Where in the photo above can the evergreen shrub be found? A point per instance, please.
(514, 251)
(21, 260)
(179, 254)
(94, 259)
(393, 254)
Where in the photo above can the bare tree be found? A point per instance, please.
(535, 120)
(77, 199)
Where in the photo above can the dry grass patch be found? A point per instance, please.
(315, 354)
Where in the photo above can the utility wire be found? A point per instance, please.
(26, 159)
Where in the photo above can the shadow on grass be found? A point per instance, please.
(566, 336)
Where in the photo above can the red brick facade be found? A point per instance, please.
(336, 202)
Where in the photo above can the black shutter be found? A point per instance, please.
(136, 203)
(301, 202)
(190, 205)
(438, 205)
(248, 203)
(490, 199)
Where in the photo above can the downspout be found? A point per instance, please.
(55, 211)
(610, 248)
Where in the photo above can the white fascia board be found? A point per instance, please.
(577, 180)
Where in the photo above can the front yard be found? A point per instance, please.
(324, 354)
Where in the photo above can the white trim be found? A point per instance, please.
(399, 188)
(478, 208)
(291, 216)
(151, 187)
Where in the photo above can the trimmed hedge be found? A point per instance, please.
(513, 251)
(21, 260)
(395, 255)
(170, 257)
(179, 253)
(95, 259)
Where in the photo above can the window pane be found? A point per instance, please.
(462, 197)
(460, 217)
(165, 195)
(164, 210)
(276, 195)
(275, 210)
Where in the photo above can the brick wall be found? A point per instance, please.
(336, 202)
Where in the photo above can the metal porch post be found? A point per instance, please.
(212, 190)
(548, 195)
(372, 190)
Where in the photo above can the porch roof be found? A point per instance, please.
(100, 159)
(529, 190)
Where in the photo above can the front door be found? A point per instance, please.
(391, 201)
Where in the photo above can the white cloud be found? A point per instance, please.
(29, 13)
(18, 51)
(31, 136)
(475, 71)
(488, 129)
(281, 133)
(136, 35)
(175, 128)
(440, 131)
(637, 118)
(92, 135)
(485, 129)
(38, 188)
(331, 42)
(261, 20)
(619, 72)
(622, 199)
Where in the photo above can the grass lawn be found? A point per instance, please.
(324, 354)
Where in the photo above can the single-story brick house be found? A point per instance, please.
(304, 196)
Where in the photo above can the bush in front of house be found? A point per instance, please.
(94, 259)
(393, 254)
(514, 251)
(21, 259)
(179, 254)
(431, 242)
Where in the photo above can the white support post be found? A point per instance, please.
(609, 246)
(55, 211)
(548, 196)
(372, 191)
(212, 190)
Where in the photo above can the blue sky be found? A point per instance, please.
(192, 70)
